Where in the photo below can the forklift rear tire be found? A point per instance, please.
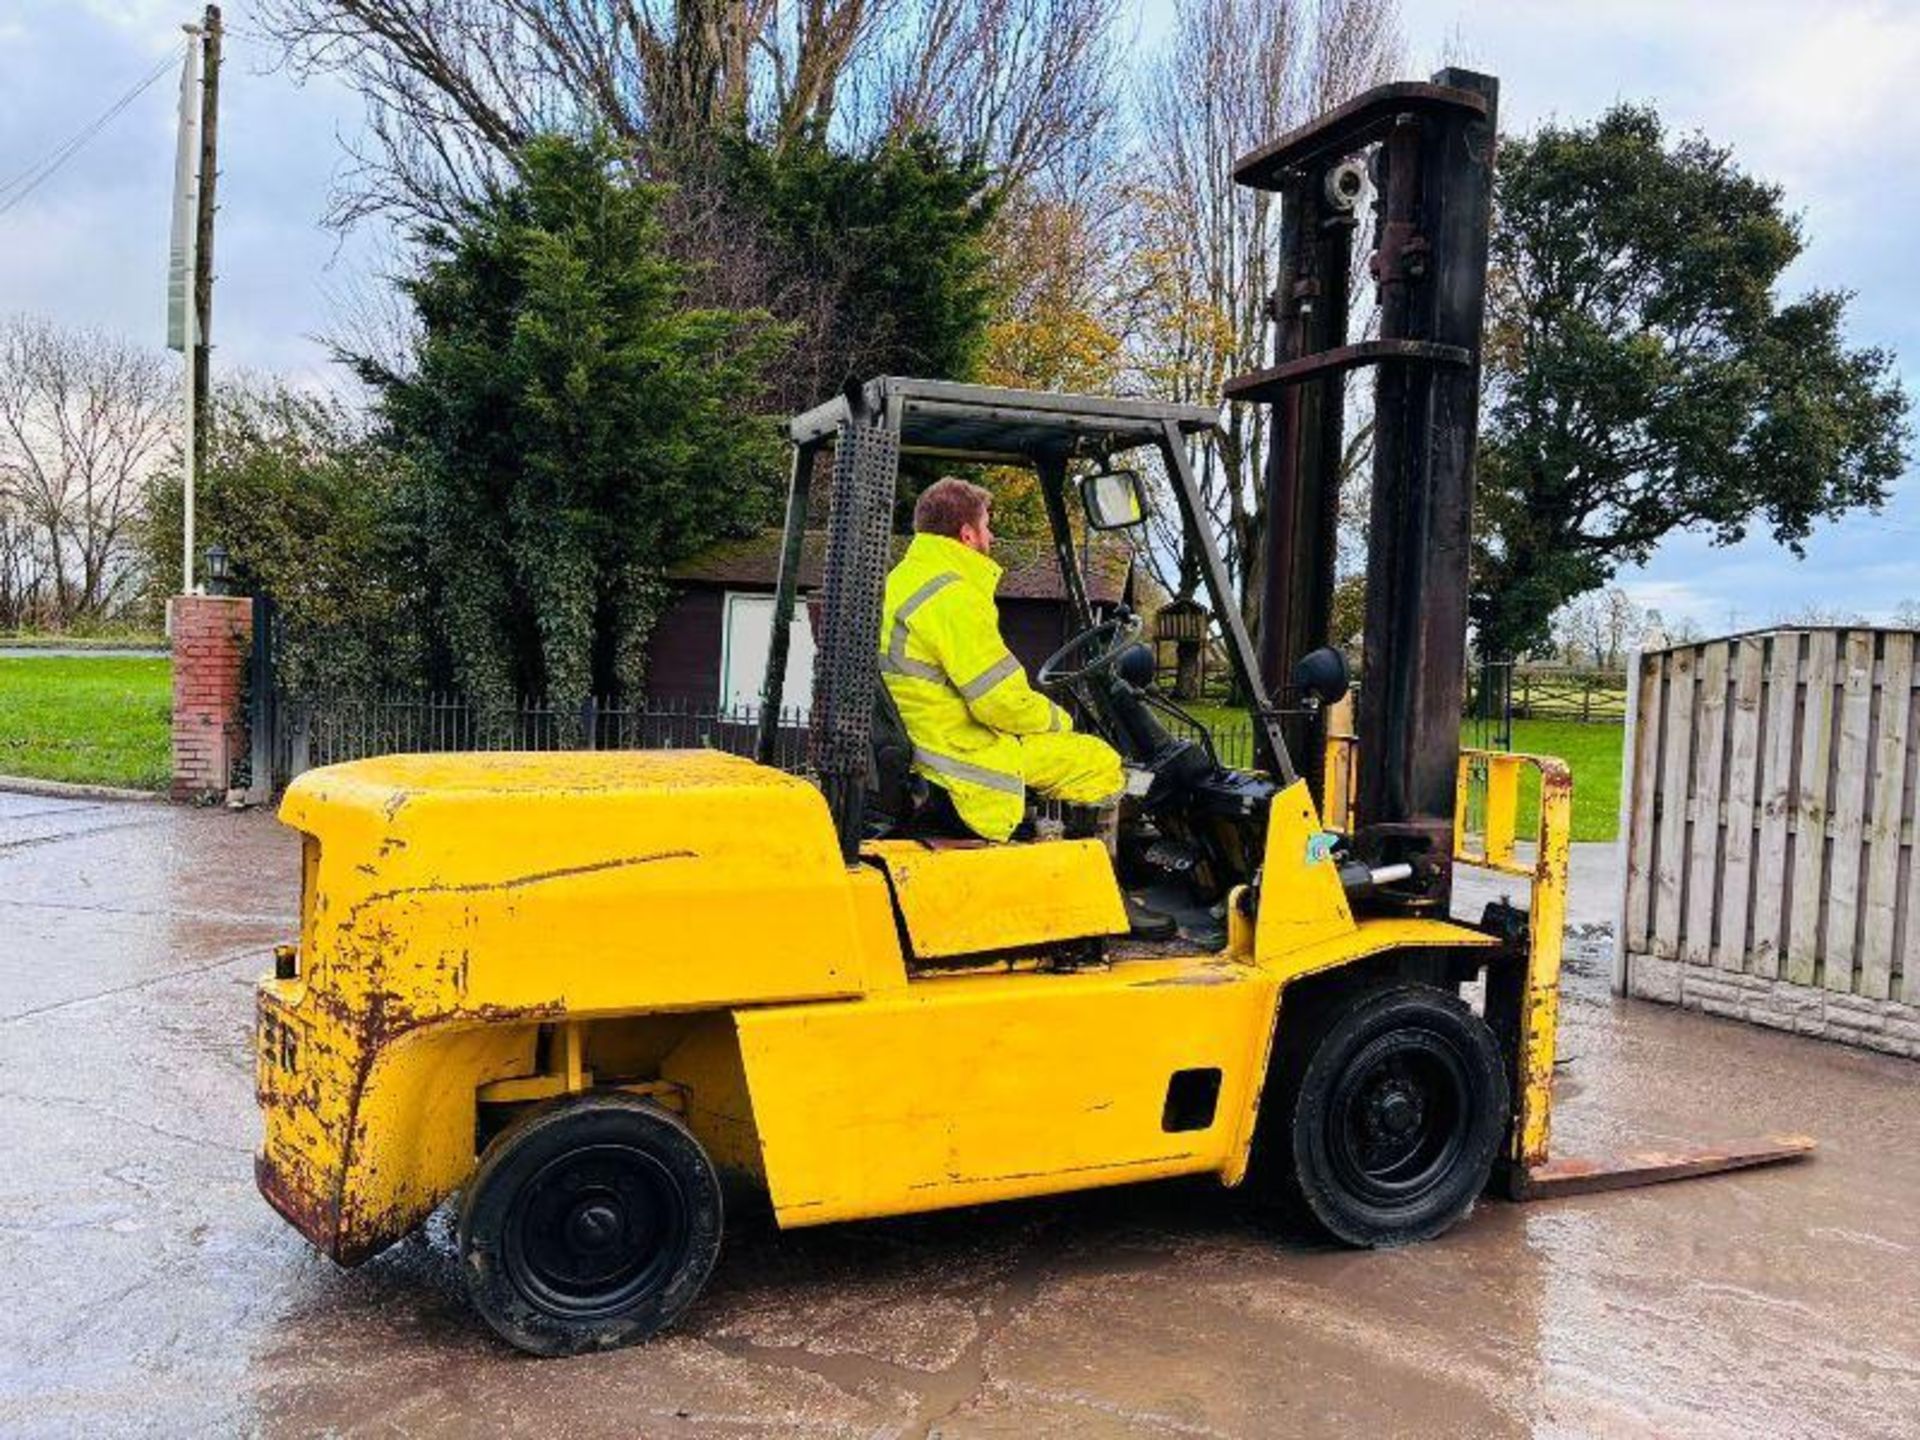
(590, 1224)
(1398, 1116)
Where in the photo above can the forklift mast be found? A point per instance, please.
(1428, 149)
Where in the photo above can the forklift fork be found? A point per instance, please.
(1523, 990)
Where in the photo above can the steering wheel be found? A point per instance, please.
(1096, 650)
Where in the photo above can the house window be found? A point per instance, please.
(744, 642)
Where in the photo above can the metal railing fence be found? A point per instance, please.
(327, 728)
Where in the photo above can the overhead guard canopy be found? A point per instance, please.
(985, 424)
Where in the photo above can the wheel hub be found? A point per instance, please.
(1397, 1113)
(594, 1230)
(1396, 1117)
(594, 1225)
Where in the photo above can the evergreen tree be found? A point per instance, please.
(573, 425)
(880, 254)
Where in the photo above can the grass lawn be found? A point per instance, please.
(1592, 752)
(99, 722)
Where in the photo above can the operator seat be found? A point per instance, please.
(903, 805)
(900, 802)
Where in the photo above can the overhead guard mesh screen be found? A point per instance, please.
(866, 467)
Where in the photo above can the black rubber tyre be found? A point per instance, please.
(1398, 1116)
(590, 1224)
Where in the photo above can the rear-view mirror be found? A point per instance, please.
(1115, 499)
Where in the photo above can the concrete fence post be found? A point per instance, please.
(211, 637)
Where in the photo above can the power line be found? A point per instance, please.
(30, 179)
(67, 149)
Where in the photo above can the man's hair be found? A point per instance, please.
(949, 503)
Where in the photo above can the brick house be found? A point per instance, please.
(710, 647)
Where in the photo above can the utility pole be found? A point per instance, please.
(203, 226)
(190, 265)
(180, 282)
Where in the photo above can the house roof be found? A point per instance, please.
(1031, 573)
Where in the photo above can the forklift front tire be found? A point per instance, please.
(1398, 1116)
(590, 1224)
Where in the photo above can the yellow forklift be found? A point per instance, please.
(583, 989)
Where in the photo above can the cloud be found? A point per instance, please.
(1672, 598)
(1813, 98)
(89, 246)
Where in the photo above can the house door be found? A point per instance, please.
(745, 640)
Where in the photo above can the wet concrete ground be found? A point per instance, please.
(145, 1288)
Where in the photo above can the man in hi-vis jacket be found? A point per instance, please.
(979, 730)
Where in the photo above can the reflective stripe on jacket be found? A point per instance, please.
(961, 692)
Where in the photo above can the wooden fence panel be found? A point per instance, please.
(1847, 807)
(1906, 923)
(1670, 843)
(1643, 779)
(1772, 802)
(1703, 807)
(1906, 984)
(1888, 776)
(1772, 847)
(1743, 779)
(1810, 810)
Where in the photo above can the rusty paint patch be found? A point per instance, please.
(1577, 1175)
(955, 1178)
(538, 877)
(1211, 976)
(299, 1205)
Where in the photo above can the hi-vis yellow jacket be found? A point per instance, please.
(961, 692)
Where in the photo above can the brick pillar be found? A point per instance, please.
(211, 636)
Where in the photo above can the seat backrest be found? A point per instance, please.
(894, 792)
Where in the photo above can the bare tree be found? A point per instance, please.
(1029, 84)
(23, 568)
(453, 87)
(84, 421)
(1598, 628)
(1685, 630)
(1816, 614)
(1235, 74)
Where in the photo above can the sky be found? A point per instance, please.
(89, 245)
(1809, 96)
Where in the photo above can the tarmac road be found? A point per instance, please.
(145, 1288)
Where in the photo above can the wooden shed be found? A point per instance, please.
(1769, 830)
(710, 647)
